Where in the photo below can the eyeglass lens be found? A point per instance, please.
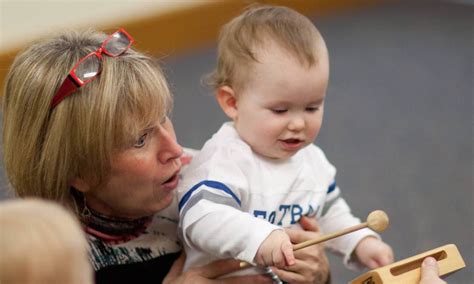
(117, 44)
(88, 68)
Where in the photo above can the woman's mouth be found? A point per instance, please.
(172, 182)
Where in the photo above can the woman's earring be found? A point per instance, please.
(86, 212)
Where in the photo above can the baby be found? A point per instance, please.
(262, 172)
(41, 242)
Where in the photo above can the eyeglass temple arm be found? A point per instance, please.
(67, 88)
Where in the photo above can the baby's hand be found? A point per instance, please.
(276, 250)
(373, 253)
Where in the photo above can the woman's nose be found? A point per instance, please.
(169, 148)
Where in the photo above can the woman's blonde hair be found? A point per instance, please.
(42, 242)
(44, 149)
(240, 39)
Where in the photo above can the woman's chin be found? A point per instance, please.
(163, 203)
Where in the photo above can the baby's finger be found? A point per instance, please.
(278, 259)
(287, 250)
(391, 258)
(385, 260)
(265, 259)
(372, 263)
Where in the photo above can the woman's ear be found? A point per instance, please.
(80, 184)
(228, 101)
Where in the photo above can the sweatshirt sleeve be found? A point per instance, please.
(224, 231)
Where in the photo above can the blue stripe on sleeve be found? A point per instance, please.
(211, 184)
(332, 187)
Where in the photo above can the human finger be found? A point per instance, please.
(302, 272)
(309, 224)
(312, 263)
(305, 271)
(289, 276)
(372, 263)
(259, 279)
(217, 268)
(288, 255)
(298, 236)
(278, 258)
(176, 269)
(385, 260)
(430, 272)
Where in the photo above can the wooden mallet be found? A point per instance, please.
(377, 221)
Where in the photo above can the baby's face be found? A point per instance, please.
(280, 108)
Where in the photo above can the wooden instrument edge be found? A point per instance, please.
(448, 263)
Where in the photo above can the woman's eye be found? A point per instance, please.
(141, 141)
(279, 110)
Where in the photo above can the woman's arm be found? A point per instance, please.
(205, 274)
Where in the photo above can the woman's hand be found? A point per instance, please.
(429, 272)
(312, 265)
(205, 274)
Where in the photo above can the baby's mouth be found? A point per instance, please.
(292, 143)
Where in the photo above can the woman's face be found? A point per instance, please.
(143, 177)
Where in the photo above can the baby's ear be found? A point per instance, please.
(227, 99)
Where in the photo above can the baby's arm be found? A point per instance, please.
(226, 232)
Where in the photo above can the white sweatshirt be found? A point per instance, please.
(231, 199)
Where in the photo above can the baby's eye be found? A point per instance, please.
(312, 109)
(141, 141)
(279, 110)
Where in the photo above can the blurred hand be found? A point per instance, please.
(207, 274)
(373, 253)
(429, 272)
(311, 265)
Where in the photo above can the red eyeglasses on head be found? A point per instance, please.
(90, 65)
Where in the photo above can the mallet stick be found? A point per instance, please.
(377, 221)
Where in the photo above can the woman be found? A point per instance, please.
(98, 140)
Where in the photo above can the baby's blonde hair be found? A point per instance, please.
(241, 38)
(45, 149)
(41, 242)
